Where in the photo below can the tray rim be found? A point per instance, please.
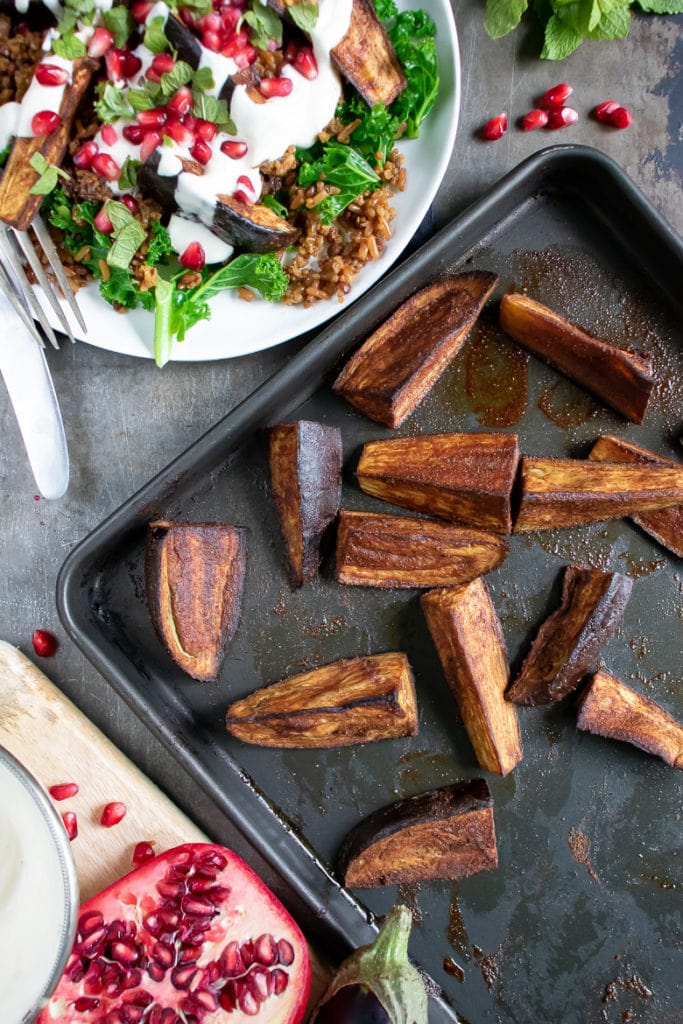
(197, 461)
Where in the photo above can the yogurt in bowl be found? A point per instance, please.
(38, 894)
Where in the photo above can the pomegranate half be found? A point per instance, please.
(191, 937)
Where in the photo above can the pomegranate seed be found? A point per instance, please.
(305, 63)
(557, 96)
(536, 118)
(211, 23)
(44, 643)
(235, 150)
(206, 130)
(85, 1003)
(621, 117)
(604, 110)
(124, 953)
(177, 131)
(562, 118)
(134, 133)
(182, 977)
(83, 157)
(89, 922)
(248, 1004)
(163, 63)
(140, 10)
(230, 16)
(50, 74)
(113, 813)
(495, 128)
(45, 122)
(102, 222)
(201, 152)
(70, 824)
(106, 167)
(272, 88)
(266, 950)
(154, 118)
(194, 258)
(242, 196)
(109, 135)
(63, 790)
(280, 980)
(212, 41)
(130, 64)
(245, 57)
(113, 65)
(100, 41)
(152, 141)
(181, 103)
(131, 203)
(285, 952)
(290, 51)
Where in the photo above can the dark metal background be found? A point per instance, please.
(581, 922)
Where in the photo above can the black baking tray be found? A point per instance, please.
(578, 922)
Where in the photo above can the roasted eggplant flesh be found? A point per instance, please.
(396, 367)
(567, 492)
(445, 833)
(194, 574)
(622, 380)
(567, 644)
(356, 700)
(609, 708)
(666, 524)
(466, 478)
(469, 641)
(305, 476)
(375, 550)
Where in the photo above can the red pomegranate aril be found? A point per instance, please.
(132, 1014)
(211, 22)
(235, 150)
(495, 128)
(201, 151)
(163, 63)
(562, 118)
(246, 183)
(44, 643)
(285, 952)
(246, 56)
(113, 65)
(194, 905)
(242, 196)
(280, 981)
(113, 813)
(140, 10)
(265, 950)
(50, 74)
(206, 130)
(151, 142)
(258, 982)
(164, 954)
(45, 122)
(90, 922)
(205, 1000)
(143, 851)
(70, 824)
(536, 118)
(177, 131)
(100, 41)
(86, 1003)
(273, 88)
(194, 258)
(230, 16)
(557, 96)
(134, 133)
(182, 977)
(93, 944)
(231, 960)
(102, 222)
(247, 953)
(83, 157)
(212, 41)
(181, 102)
(63, 790)
(248, 1003)
(604, 110)
(109, 135)
(621, 117)
(213, 859)
(189, 954)
(130, 64)
(106, 167)
(154, 118)
(134, 207)
(305, 63)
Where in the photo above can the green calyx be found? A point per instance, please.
(384, 969)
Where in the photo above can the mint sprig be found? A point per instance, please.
(49, 175)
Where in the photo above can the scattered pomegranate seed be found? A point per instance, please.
(246, 56)
(562, 118)
(273, 88)
(212, 41)
(242, 196)
(106, 167)
(290, 51)
(151, 142)
(154, 118)
(201, 151)
(193, 258)
(44, 643)
(305, 63)
(83, 157)
(130, 64)
(495, 128)
(247, 184)
(557, 96)
(131, 203)
(63, 790)
(102, 221)
(70, 824)
(45, 122)
(211, 22)
(113, 813)
(205, 129)
(235, 150)
(604, 110)
(143, 852)
(50, 74)
(140, 10)
(113, 65)
(100, 41)
(163, 63)
(134, 133)
(177, 131)
(621, 117)
(109, 135)
(181, 102)
(536, 118)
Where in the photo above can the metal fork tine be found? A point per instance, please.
(26, 246)
(48, 246)
(25, 287)
(9, 290)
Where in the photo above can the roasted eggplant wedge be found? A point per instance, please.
(666, 524)
(375, 550)
(194, 574)
(445, 833)
(396, 367)
(557, 493)
(622, 380)
(567, 644)
(470, 644)
(305, 477)
(356, 700)
(608, 708)
(467, 478)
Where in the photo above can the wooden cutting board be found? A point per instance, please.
(57, 743)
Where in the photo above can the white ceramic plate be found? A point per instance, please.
(236, 327)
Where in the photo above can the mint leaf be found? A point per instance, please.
(155, 37)
(128, 234)
(208, 108)
(69, 46)
(614, 21)
(385, 9)
(120, 23)
(49, 175)
(264, 24)
(502, 16)
(171, 81)
(662, 6)
(143, 99)
(129, 173)
(304, 15)
(113, 103)
(560, 39)
(203, 80)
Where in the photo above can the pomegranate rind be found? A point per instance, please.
(248, 918)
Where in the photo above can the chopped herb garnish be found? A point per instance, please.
(208, 108)
(120, 23)
(69, 46)
(129, 173)
(113, 103)
(171, 81)
(264, 25)
(155, 37)
(304, 15)
(203, 80)
(345, 169)
(49, 175)
(128, 235)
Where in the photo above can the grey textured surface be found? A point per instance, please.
(125, 420)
